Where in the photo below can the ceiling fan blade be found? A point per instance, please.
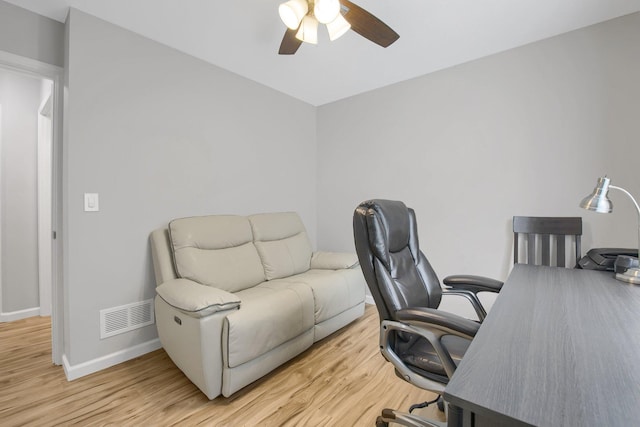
(290, 43)
(368, 26)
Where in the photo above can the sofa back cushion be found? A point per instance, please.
(216, 250)
(282, 243)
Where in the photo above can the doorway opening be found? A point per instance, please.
(30, 248)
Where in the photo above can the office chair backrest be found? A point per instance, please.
(397, 273)
(551, 233)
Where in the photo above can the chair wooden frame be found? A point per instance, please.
(546, 227)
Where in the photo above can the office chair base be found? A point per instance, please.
(405, 419)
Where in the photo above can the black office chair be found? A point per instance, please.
(546, 236)
(424, 344)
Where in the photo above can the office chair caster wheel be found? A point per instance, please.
(440, 404)
(380, 422)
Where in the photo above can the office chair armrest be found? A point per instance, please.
(468, 287)
(432, 325)
(473, 283)
(447, 322)
(472, 297)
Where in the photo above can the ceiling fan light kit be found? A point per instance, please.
(326, 10)
(308, 31)
(292, 12)
(338, 27)
(302, 17)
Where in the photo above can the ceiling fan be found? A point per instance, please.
(302, 17)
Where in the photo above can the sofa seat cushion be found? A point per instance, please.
(282, 242)
(216, 250)
(268, 317)
(334, 291)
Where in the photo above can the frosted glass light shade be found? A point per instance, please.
(308, 31)
(338, 27)
(326, 10)
(292, 12)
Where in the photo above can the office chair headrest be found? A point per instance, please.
(391, 222)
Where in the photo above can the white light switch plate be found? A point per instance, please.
(91, 202)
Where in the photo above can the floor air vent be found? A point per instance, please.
(125, 318)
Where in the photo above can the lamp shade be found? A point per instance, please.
(337, 27)
(326, 10)
(308, 31)
(292, 12)
(598, 200)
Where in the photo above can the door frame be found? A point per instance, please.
(54, 73)
(44, 186)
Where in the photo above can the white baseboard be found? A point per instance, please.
(80, 370)
(368, 299)
(20, 314)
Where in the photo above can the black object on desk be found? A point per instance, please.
(605, 258)
(560, 347)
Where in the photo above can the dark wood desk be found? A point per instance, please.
(560, 347)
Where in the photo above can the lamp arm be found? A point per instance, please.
(637, 209)
(630, 196)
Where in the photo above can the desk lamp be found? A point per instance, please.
(599, 202)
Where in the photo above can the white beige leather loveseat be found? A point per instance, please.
(239, 296)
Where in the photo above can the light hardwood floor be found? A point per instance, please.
(340, 381)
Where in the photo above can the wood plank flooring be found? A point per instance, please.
(340, 381)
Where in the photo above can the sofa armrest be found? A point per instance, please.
(196, 300)
(333, 260)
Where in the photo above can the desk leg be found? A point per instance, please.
(458, 417)
(454, 416)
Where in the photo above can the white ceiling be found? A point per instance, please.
(243, 36)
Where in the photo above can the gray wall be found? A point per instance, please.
(159, 135)
(524, 132)
(20, 100)
(30, 35)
